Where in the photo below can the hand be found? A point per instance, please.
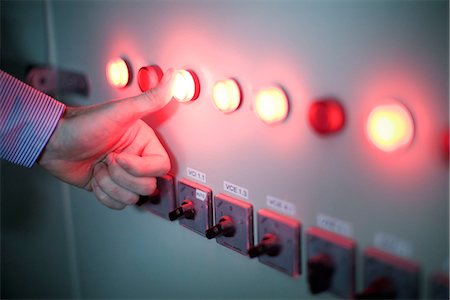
(107, 149)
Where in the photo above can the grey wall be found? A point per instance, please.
(34, 247)
(59, 242)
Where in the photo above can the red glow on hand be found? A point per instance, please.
(326, 116)
(149, 77)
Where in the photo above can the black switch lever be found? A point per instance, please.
(225, 227)
(380, 288)
(154, 198)
(269, 245)
(320, 272)
(185, 210)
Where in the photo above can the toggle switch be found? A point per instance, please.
(225, 227)
(438, 287)
(320, 272)
(195, 209)
(185, 210)
(162, 201)
(330, 262)
(149, 77)
(234, 229)
(379, 288)
(279, 242)
(154, 198)
(269, 245)
(386, 275)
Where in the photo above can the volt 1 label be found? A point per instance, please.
(235, 189)
(200, 176)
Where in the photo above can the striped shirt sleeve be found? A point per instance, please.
(28, 118)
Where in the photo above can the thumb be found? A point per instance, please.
(128, 110)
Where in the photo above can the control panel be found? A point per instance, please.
(307, 143)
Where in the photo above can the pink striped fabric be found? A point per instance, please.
(28, 118)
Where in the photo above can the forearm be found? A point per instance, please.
(28, 118)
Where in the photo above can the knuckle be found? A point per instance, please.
(131, 199)
(118, 206)
(151, 95)
(116, 175)
(115, 190)
(165, 165)
(103, 198)
(115, 206)
(101, 181)
(150, 187)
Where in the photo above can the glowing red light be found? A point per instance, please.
(149, 77)
(186, 86)
(271, 105)
(326, 116)
(390, 127)
(118, 73)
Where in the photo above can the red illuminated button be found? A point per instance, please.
(118, 73)
(226, 95)
(326, 116)
(149, 77)
(186, 86)
(271, 105)
(390, 127)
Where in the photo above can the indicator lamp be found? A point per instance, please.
(186, 86)
(149, 77)
(390, 127)
(226, 95)
(271, 105)
(326, 116)
(118, 73)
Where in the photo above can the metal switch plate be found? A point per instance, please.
(166, 187)
(342, 251)
(201, 196)
(403, 273)
(241, 214)
(287, 231)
